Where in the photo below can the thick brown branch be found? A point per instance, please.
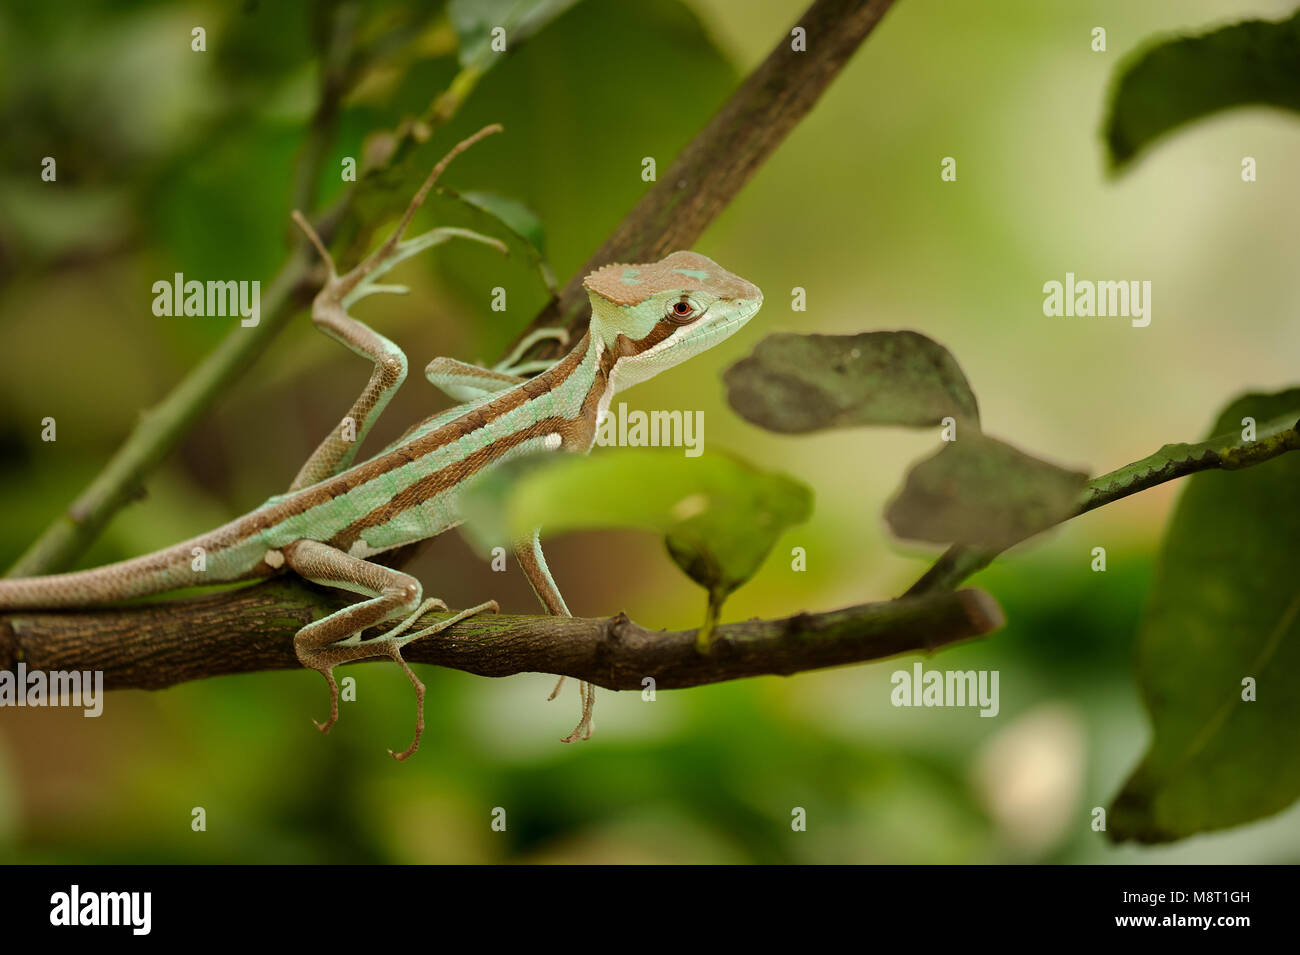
(150, 646)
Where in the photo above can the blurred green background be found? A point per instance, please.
(170, 160)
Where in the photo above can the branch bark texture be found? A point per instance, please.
(150, 646)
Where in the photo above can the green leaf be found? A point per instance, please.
(980, 491)
(800, 383)
(720, 515)
(474, 21)
(1224, 606)
(522, 222)
(1184, 79)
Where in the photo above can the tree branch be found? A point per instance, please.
(150, 646)
(1223, 451)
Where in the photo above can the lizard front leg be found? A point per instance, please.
(337, 451)
(533, 561)
(465, 382)
(329, 312)
(333, 640)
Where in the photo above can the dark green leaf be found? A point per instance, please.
(1184, 79)
(1225, 606)
(800, 383)
(520, 220)
(474, 20)
(980, 491)
(721, 516)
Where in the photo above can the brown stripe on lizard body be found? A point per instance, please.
(452, 431)
(574, 432)
(446, 478)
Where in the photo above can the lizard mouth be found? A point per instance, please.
(741, 316)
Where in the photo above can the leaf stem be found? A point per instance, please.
(1228, 451)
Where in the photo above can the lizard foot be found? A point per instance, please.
(419, 707)
(588, 693)
(393, 641)
(324, 659)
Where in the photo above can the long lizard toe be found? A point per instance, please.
(419, 707)
(587, 692)
(328, 674)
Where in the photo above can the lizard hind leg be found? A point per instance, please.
(335, 639)
(529, 554)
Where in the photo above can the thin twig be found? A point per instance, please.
(1225, 451)
(161, 428)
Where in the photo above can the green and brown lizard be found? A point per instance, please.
(337, 514)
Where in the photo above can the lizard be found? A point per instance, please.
(338, 513)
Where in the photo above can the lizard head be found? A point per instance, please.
(651, 317)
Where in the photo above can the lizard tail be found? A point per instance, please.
(153, 573)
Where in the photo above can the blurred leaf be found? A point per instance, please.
(474, 21)
(263, 41)
(237, 188)
(981, 491)
(522, 221)
(47, 223)
(1185, 79)
(720, 515)
(800, 383)
(1225, 606)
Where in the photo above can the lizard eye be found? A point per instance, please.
(681, 311)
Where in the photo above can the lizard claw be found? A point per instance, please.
(584, 727)
(419, 709)
(556, 692)
(328, 674)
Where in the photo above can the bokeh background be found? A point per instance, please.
(170, 160)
